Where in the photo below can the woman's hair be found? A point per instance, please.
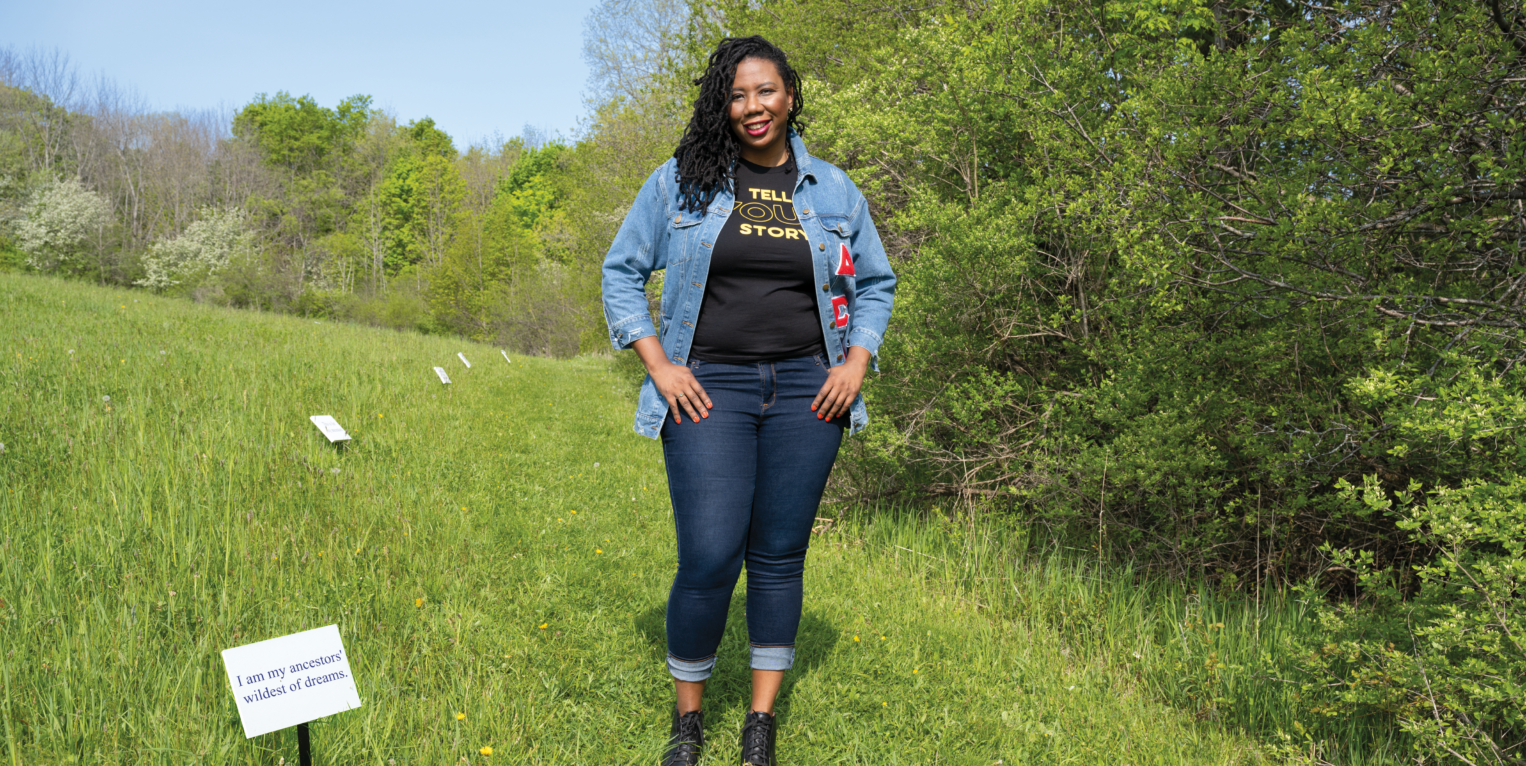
(708, 151)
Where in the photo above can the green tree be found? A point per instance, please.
(499, 250)
(299, 135)
(420, 199)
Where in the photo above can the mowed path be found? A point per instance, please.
(500, 547)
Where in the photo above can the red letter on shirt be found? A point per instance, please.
(840, 310)
(844, 263)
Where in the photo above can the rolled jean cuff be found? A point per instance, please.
(773, 657)
(692, 671)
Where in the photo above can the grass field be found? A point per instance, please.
(500, 547)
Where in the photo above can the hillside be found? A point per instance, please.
(499, 547)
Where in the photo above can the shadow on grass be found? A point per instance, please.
(730, 686)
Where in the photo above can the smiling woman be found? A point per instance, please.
(762, 363)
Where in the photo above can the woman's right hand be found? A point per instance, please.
(675, 382)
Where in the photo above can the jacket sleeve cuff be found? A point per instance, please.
(629, 330)
(865, 339)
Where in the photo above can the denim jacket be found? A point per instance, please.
(857, 285)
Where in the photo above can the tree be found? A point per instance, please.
(202, 250)
(299, 135)
(627, 45)
(61, 223)
(420, 198)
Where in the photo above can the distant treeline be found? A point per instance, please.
(289, 205)
(1232, 288)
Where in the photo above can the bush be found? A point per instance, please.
(61, 226)
(200, 252)
(1437, 645)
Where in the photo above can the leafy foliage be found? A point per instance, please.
(60, 224)
(299, 135)
(199, 253)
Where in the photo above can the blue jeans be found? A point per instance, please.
(745, 484)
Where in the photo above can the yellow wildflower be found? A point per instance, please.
(486, 750)
(855, 638)
(418, 602)
(543, 625)
(596, 550)
(460, 716)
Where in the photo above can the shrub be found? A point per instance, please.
(200, 252)
(61, 223)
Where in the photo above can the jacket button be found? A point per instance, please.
(677, 218)
(824, 287)
(839, 357)
(821, 246)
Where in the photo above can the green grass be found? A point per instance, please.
(198, 509)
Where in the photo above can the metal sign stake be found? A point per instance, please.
(304, 746)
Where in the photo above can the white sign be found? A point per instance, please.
(330, 428)
(505, 356)
(441, 372)
(463, 360)
(290, 680)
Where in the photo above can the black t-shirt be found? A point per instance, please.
(759, 305)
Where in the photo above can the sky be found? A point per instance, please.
(477, 67)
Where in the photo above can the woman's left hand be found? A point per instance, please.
(843, 384)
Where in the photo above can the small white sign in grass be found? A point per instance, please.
(441, 372)
(505, 356)
(463, 360)
(290, 680)
(330, 428)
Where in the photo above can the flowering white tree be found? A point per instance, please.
(200, 251)
(59, 222)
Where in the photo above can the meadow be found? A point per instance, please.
(497, 554)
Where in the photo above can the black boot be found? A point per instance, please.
(687, 739)
(758, 740)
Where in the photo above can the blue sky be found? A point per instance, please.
(475, 67)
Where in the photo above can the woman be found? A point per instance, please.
(776, 296)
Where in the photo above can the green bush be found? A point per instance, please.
(1436, 645)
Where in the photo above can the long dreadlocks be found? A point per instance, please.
(708, 151)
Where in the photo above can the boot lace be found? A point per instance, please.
(755, 739)
(685, 748)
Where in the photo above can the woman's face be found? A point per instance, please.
(759, 112)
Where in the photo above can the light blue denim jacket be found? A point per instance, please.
(657, 235)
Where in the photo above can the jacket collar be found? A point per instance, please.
(803, 170)
(803, 160)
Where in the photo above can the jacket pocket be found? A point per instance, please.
(836, 224)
